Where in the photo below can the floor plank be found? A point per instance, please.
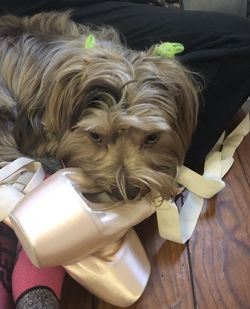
(220, 247)
(244, 156)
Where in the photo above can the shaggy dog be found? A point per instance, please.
(124, 117)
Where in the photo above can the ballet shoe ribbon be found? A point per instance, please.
(17, 179)
(178, 225)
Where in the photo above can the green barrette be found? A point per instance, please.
(168, 49)
(90, 41)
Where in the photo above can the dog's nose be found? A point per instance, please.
(131, 193)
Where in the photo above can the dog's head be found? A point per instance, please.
(126, 121)
(126, 118)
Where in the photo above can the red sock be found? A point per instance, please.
(36, 287)
(8, 242)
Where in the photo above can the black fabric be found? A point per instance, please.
(217, 46)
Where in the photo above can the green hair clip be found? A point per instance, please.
(90, 41)
(168, 49)
(165, 49)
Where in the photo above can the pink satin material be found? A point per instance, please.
(57, 225)
(118, 274)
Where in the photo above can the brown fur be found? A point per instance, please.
(125, 117)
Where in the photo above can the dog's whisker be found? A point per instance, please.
(121, 182)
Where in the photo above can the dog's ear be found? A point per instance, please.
(28, 130)
(185, 90)
(173, 90)
(186, 94)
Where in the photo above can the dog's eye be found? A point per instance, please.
(151, 139)
(95, 137)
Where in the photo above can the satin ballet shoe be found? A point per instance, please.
(118, 274)
(57, 225)
(124, 260)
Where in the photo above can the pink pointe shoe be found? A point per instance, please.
(118, 273)
(57, 225)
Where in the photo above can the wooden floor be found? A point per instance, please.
(211, 271)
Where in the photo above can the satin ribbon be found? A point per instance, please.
(179, 226)
(17, 179)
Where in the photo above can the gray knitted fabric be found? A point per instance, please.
(38, 298)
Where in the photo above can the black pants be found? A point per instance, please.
(216, 45)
